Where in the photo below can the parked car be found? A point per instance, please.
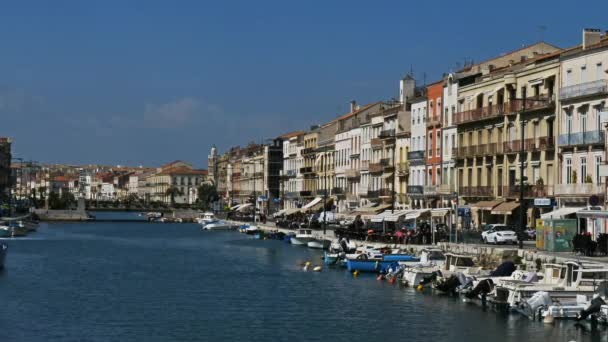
(499, 233)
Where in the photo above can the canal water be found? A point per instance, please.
(174, 282)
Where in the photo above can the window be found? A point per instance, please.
(598, 162)
(583, 175)
(583, 74)
(583, 120)
(568, 79)
(568, 171)
(569, 122)
(599, 73)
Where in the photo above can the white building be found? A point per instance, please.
(416, 156)
(448, 136)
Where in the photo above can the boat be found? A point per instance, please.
(250, 230)
(319, 244)
(206, 218)
(400, 257)
(303, 237)
(218, 225)
(363, 264)
(562, 283)
(3, 250)
(5, 232)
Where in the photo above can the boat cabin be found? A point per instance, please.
(432, 255)
(303, 232)
(458, 262)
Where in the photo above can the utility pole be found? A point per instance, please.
(522, 155)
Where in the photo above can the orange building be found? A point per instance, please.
(433, 142)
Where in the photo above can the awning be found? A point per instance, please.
(592, 214)
(561, 212)
(414, 214)
(235, 207)
(387, 175)
(370, 210)
(244, 206)
(390, 216)
(485, 205)
(439, 212)
(292, 211)
(505, 208)
(312, 203)
(536, 81)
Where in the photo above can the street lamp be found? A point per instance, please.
(522, 155)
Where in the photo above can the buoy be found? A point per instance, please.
(306, 266)
(391, 281)
(548, 318)
(379, 277)
(317, 269)
(419, 287)
(356, 273)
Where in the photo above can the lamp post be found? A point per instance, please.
(522, 155)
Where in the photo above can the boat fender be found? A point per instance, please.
(391, 281)
(317, 269)
(420, 288)
(379, 277)
(548, 318)
(356, 273)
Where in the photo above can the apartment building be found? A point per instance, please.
(449, 132)
(417, 153)
(433, 159)
(5, 167)
(291, 176)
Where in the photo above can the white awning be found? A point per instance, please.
(593, 214)
(414, 214)
(439, 212)
(561, 213)
(390, 216)
(244, 206)
(235, 207)
(312, 203)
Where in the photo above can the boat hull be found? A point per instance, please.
(400, 257)
(5, 233)
(301, 241)
(369, 265)
(319, 244)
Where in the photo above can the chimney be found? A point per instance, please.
(353, 106)
(591, 36)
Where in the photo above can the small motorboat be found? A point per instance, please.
(364, 264)
(5, 232)
(303, 237)
(414, 276)
(206, 218)
(250, 230)
(319, 244)
(3, 250)
(218, 225)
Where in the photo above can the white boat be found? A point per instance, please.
(414, 274)
(218, 225)
(319, 244)
(562, 283)
(206, 218)
(303, 237)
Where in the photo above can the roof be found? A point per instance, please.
(171, 164)
(63, 179)
(183, 171)
(361, 109)
(291, 134)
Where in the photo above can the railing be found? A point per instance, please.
(585, 189)
(415, 189)
(292, 195)
(307, 169)
(476, 191)
(584, 89)
(581, 138)
(386, 162)
(291, 173)
(375, 167)
(321, 192)
(446, 188)
(337, 191)
(512, 146)
(415, 155)
(387, 133)
(364, 165)
(403, 169)
(530, 191)
(430, 189)
(497, 110)
(376, 143)
(433, 121)
(306, 193)
(308, 150)
(350, 173)
(384, 193)
(539, 144)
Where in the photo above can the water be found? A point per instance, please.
(173, 282)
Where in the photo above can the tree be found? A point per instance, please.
(207, 194)
(173, 191)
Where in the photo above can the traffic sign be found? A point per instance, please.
(542, 202)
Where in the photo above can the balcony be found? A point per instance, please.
(415, 189)
(291, 173)
(387, 133)
(308, 150)
(387, 163)
(530, 191)
(403, 169)
(375, 167)
(352, 174)
(321, 192)
(364, 165)
(430, 190)
(337, 191)
(539, 144)
(376, 143)
(447, 189)
(432, 121)
(512, 146)
(599, 87)
(581, 138)
(498, 110)
(578, 189)
(306, 193)
(476, 191)
(306, 170)
(415, 155)
(384, 193)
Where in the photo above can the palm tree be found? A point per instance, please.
(172, 191)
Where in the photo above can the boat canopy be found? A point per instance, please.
(562, 212)
(505, 208)
(312, 203)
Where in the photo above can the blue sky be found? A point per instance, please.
(144, 82)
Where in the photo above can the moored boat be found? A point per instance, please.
(5, 232)
(218, 225)
(363, 264)
(302, 237)
(319, 244)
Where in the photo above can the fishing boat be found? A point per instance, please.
(319, 244)
(3, 250)
(218, 225)
(5, 232)
(302, 237)
(362, 264)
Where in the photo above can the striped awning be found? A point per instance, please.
(485, 205)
